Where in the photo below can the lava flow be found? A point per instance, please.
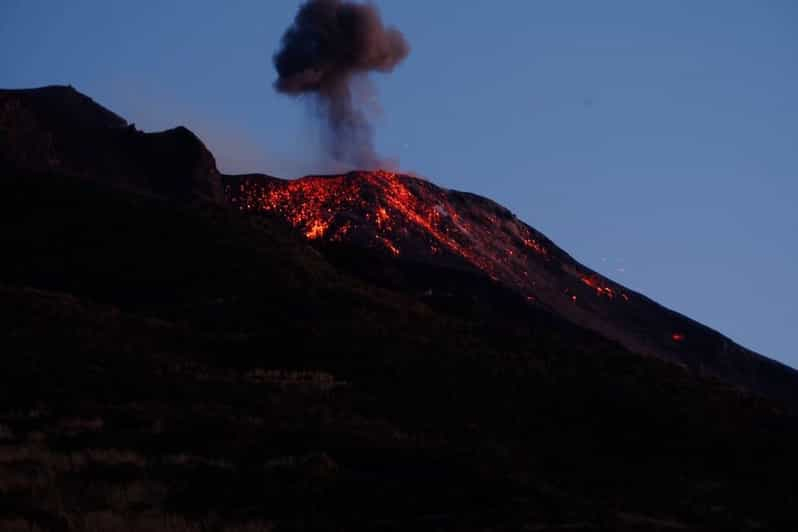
(602, 288)
(415, 221)
(412, 218)
(389, 210)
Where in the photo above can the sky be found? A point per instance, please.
(656, 142)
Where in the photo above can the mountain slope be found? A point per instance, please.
(204, 365)
(417, 221)
(181, 365)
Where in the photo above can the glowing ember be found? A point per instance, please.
(316, 230)
(391, 247)
(601, 287)
(534, 246)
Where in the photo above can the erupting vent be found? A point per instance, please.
(391, 211)
(414, 219)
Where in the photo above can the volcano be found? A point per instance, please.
(184, 350)
(414, 220)
(409, 220)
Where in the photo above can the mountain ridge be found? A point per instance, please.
(56, 128)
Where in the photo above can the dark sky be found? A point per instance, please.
(655, 141)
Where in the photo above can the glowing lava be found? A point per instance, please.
(316, 230)
(408, 217)
(393, 208)
(602, 288)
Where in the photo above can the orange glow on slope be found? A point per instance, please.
(382, 217)
(316, 230)
(677, 337)
(401, 215)
(602, 288)
(534, 246)
(391, 247)
(406, 216)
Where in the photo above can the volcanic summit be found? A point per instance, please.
(414, 220)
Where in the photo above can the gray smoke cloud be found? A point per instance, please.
(331, 47)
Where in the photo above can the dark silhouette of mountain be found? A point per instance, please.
(341, 353)
(58, 129)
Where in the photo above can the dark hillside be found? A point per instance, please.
(59, 129)
(176, 366)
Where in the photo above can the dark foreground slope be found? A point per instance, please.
(179, 367)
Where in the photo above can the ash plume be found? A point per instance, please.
(327, 54)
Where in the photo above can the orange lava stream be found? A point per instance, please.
(601, 288)
(390, 205)
(313, 204)
(391, 211)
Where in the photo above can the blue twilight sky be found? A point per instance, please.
(656, 141)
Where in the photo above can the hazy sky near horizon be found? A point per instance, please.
(656, 141)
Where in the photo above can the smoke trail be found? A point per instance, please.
(331, 45)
